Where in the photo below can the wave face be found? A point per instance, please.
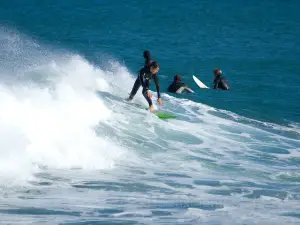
(74, 152)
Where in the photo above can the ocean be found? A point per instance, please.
(73, 151)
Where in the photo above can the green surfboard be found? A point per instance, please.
(164, 115)
(159, 114)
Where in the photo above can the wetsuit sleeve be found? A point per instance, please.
(224, 84)
(157, 85)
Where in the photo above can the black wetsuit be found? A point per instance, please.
(175, 86)
(144, 78)
(221, 83)
(148, 61)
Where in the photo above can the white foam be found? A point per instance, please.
(52, 124)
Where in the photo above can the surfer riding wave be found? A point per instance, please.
(144, 78)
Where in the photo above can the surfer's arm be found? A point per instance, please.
(156, 81)
(225, 85)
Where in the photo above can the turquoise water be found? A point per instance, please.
(73, 152)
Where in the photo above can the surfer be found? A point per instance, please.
(178, 86)
(147, 57)
(144, 78)
(220, 82)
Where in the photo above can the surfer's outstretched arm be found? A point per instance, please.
(225, 85)
(156, 81)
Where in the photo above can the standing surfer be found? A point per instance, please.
(144, 78)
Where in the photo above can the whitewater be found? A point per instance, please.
(72, 151)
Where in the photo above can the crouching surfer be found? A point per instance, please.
(144, 79)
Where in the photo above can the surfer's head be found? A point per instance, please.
(154, 67)
(217, 72)
(177, 78)
(146, 54)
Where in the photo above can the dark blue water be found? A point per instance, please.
(73, 152)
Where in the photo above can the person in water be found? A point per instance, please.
(147, 57)
(220, 82)
(178, 86)
(144, 78)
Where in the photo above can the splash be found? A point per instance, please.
(49, 111)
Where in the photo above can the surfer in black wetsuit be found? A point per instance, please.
(220, 82)
(137, 83)
(178, 86)
(144, 78)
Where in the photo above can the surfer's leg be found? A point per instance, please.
(135, 88)
(145, 94)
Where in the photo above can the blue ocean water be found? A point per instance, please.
(72, 151)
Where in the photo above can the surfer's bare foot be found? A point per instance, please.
(151, 108)
(159, 101)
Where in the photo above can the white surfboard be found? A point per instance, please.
(199, 83)
(180, 90)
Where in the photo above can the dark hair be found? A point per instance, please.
(177, 77)
(146, 54)
(154, 65)
(216, 71)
